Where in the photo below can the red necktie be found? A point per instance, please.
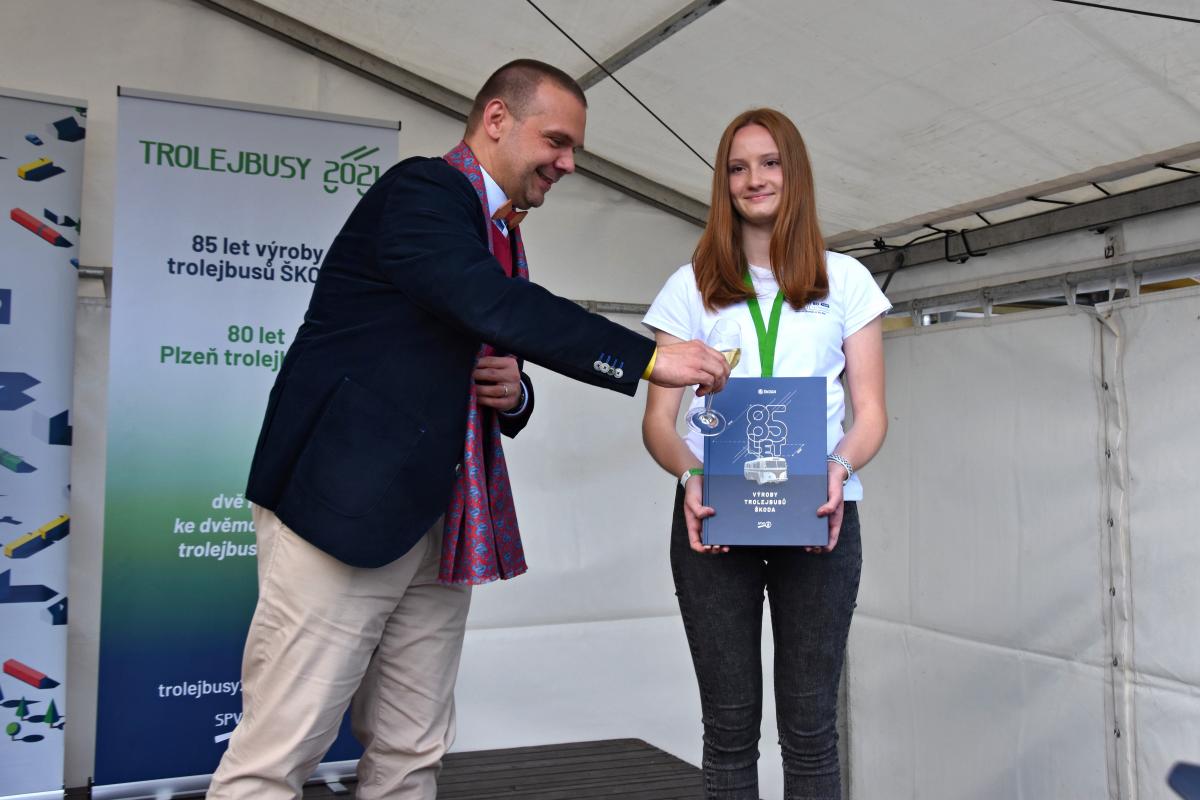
(502, 249)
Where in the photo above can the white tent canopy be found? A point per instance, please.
(908, 109)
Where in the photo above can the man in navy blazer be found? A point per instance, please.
(363, 439)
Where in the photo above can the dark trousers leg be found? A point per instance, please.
(812, 599)
(721, 602)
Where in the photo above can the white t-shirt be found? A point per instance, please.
(809, 342)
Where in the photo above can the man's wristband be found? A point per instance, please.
(650, 365)
(836, 459)
(686, 476)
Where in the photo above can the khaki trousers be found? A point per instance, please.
(324, 633)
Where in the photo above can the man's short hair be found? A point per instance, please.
(516, 84)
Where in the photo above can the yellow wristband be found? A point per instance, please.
(650, 365)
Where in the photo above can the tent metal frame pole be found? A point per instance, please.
(1109, 172)
(1128, 274)
(438, 97)
(1094, 214)
(649, 40)
(104, 274)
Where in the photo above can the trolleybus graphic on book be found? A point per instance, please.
(768, 469)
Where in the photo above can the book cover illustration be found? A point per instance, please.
(765, 473)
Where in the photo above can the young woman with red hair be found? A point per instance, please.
(763, 241)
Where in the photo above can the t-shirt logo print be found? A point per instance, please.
(816, 307)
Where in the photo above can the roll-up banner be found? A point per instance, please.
(223, 214)
(41, 175)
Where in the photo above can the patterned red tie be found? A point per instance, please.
(502, 249)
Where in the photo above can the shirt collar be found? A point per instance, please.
(495, 195)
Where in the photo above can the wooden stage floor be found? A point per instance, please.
(616, 769)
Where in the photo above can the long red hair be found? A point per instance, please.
(797, 247)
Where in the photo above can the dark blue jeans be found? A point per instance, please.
(812, 599)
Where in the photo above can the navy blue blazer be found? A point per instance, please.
(365, 425)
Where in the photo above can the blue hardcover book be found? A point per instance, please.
(765, 473)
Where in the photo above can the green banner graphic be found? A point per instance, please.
(222, 218)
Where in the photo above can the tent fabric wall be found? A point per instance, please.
(992, 656)
(1158, 339)
(978, 640)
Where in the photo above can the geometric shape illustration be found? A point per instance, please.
(69, 130)
(52, 429)
(26, 673)
(53, 216)
(52, 717)
(29, 593)
(56, 614)
(12, 390)
(37, 163)
(38, 540)
(38, 170)
(12, 461)
(62, 219)
(5, 306)
(38, 228)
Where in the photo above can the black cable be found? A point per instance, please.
(891, 274)
(1177, 169)
(1106, 192)
(609, 74)
(1033, 199)
(1129, 10)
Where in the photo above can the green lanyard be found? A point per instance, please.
(766, 334)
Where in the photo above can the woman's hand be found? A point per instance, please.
(833, 509)
(694, 512)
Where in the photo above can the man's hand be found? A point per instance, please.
(498, 383)
(689, 364)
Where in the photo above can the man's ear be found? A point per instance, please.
(495, 117)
